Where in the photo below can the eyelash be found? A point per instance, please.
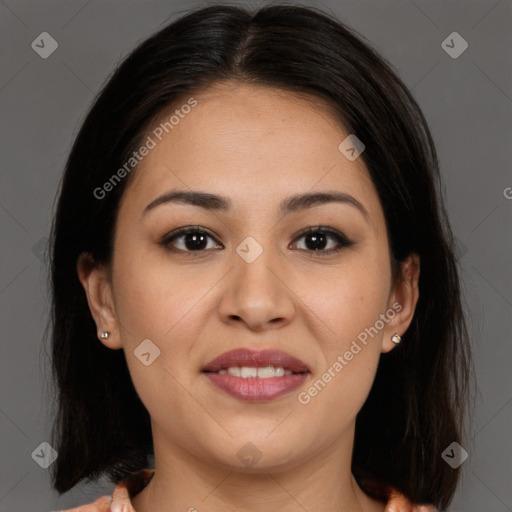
(341, 239)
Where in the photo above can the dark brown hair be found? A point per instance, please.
(417, 404)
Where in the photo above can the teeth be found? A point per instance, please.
(246, 372)
(269, 371)
(234, 371)
(265, 372)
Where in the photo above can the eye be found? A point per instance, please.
(317, 240)
(190, 239)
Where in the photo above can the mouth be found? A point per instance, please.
(256, 375)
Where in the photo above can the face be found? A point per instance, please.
(256, 271)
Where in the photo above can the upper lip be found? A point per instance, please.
(252, 358)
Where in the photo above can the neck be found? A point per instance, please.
(323, 482)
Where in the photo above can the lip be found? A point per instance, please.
(258, 359)
(254, 389)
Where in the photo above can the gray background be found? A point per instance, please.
(467, 102)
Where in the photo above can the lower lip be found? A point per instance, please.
(255, 390)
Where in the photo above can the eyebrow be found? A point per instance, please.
(289, 205)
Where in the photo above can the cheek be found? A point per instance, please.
(167, 305)
(336, 396)
(152, 297)
(349, 303)
(350, 297)
(350, 349)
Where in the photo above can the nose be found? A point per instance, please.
(257, 294)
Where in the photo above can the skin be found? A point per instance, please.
(256, 146)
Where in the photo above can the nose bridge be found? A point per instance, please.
(255, 293)
(255, 266)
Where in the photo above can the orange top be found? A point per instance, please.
(120, 500)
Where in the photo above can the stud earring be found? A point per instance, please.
(105, 335)
(396, 338)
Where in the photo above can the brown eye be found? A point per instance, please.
(317, 240)
(190, 239)
(323, 240)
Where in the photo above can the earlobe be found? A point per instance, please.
(97, 287)
(405, 293)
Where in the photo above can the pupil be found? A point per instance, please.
(316, 239)
(198, 241)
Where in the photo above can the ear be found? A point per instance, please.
(402, 300)
(94, 279)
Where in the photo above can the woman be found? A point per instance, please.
(252, 213)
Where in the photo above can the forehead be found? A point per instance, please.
(255, 143)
